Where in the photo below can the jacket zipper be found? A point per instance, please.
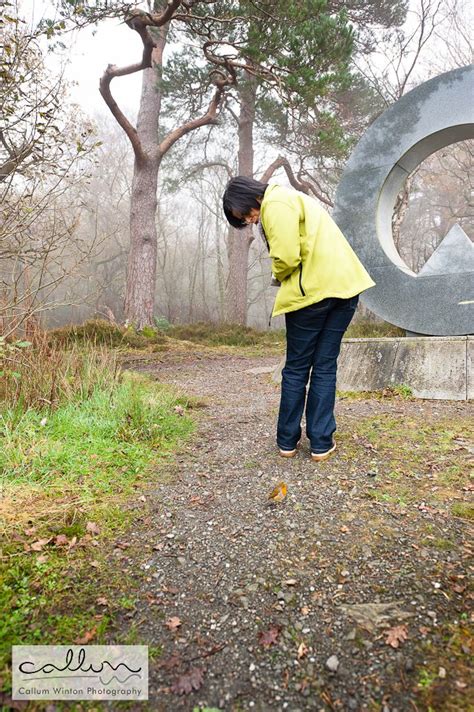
(301, 278)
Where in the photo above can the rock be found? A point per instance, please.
(352, 634)
(332, 663)
(409, 665)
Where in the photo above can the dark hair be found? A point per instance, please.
(241, 195)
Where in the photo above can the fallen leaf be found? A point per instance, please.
(396, 635)
(73, 542)
(344, 529)
(151, 598)
(41, 558)
(38, 545)
(173, 623)
(88, 636)
(179, 409)
(95, 564)
(170, 589)
(102, 601)
(30, 532)
(269, 637)
(92, 528)
(122, 544)
(302, 650)
(170, 663)
(191, 680)
(305, 611)
(61, 540)
(279, 493)
(290, 582)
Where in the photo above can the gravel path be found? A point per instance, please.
(293, 606)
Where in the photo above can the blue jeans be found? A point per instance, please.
(313, 342)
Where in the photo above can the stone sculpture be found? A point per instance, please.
(439, 300)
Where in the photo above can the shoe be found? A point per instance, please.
(320, 456)
(287, 453)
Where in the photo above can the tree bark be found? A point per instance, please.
(239, 241)
(141, 269)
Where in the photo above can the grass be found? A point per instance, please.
(99, 332)
(70, 469)
(465, 510)
(415, 460)
(226, 335)
(366, 328)
(75, 453)
(163, 336)
(438, 693)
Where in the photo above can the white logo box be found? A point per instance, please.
(80, 672)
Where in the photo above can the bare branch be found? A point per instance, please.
(297, 183)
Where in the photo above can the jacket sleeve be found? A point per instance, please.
(282, 227)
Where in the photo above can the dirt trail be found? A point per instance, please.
(265, 594)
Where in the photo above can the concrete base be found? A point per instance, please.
(431, 366)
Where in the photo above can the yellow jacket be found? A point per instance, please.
(310, 256)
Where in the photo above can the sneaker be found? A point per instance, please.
(320, 456)
(287, 453)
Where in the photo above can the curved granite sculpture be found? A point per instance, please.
(439, 300)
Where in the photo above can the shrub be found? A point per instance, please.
(366, 329)
(225, 334)
(99, 331)
(43, 375)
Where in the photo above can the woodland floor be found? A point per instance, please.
(351, 594)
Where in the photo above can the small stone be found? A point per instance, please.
(409, 665)
(442, 673)
(352, 703)
(332, 663)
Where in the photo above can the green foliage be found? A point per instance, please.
(161, 323)
(403, 390)
(8, 352)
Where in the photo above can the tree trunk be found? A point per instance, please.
(239, 241)
(141, 269)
